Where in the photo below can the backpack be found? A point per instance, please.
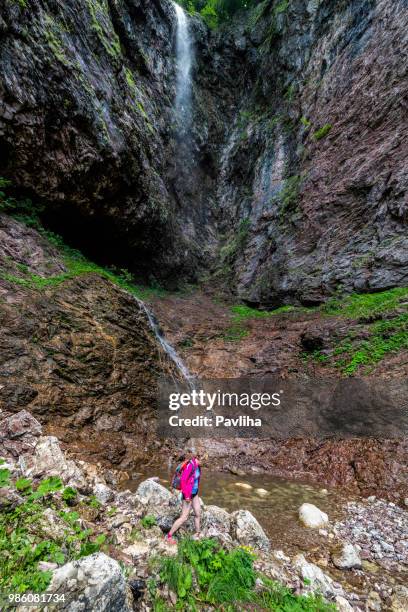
(176, 480)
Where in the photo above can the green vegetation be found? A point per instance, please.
(53, 33)
(322, 132)
(234, 246)
(23, 534)
(215, 12)
(76, 264)
(203, 574)
(242, 314)
(148, 521)
(102, 26)
(289, 195)
(385, 318)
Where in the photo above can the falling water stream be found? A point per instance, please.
(166, 346)
(184, 62)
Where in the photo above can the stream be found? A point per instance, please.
(276, 510)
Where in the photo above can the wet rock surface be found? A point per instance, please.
(80, 355)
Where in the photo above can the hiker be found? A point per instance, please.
(187, 480)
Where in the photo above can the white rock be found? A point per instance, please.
(243, 485)
(347, 558)
(262, 492)
(102, 586)
(311, 516)
(342, 604)
(248, 531)
(139, 549)
(47, 459)
(318, 581)
(103, 493)
(150, 492)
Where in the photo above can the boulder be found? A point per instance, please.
(103, 493)
(347, 557)
(216, 523)
(246, 530)
(156, 500)
(92, 583)
(18, 434)
(151, 493)
(317, 580)
(342, 604)
(47, 459)
(311, 516)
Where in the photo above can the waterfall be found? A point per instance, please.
(184, 61)
(166, 346)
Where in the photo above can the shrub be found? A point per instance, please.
(203, 574)
(148, 521)
(322, 132)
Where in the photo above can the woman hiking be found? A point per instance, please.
(189, 485)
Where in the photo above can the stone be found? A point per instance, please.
(243, 485)
(317, 579)
(347, 557)
(311, 516)
(18, 434)
(150, 492)
(342, 604)
(246, 530)
(47, 566)
(262, 492)
(9, 499)
(52, 527)
(103, 493)
(216, 522)
(399, 599)
(95, 582)
(374, 601)
(139, 549)
(48, 458)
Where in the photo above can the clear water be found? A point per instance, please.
(277, 511)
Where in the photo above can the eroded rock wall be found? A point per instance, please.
(316, 156)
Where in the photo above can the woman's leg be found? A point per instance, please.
(197, 512)
(183, 517)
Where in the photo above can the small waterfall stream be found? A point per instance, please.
(184, 62)
(166, 346)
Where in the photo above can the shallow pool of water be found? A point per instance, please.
(276, 510)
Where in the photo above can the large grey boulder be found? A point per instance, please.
(150, 493)
(246, 530)
(92, 583)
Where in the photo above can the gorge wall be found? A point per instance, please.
(293, 185)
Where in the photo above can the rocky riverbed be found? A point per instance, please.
(346, 564)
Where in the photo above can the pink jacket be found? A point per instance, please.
(188, 477)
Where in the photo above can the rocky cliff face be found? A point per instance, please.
(78, 353)
(87, 126)
(298, 143)
(315, 159)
